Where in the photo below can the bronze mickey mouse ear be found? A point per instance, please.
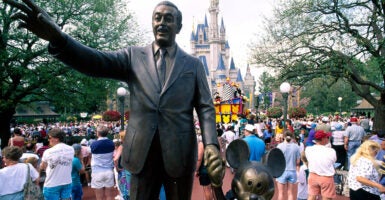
(275, 162)
(237, 152)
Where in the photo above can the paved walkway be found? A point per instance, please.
(197, 193)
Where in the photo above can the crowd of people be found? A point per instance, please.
(313, 149)
(62, 165)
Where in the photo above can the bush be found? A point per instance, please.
(111, 115)
(274, 112)
(297, 112)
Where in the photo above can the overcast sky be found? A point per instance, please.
(243, 21)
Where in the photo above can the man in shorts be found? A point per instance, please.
(321, 167)
(57, 163)
(102, 165)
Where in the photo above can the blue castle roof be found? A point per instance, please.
(239, 76)
(221, 64)
(194, 37)
(232, 65)
(222, 77)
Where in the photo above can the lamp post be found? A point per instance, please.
(339, 104)
(285, 89)
(121, 95)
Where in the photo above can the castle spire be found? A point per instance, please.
(214, 10)
(222, 29)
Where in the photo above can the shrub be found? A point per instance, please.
(297, 112)
(274, 112)
(111, 115)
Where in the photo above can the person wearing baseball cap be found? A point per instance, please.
(324, 125)
(321, 161)
(353, 138)
(256, 145)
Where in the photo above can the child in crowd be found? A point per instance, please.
(77, 169)
(302, 179)
(123, 176)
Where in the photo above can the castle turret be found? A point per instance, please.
(232, 71)
(222, 31)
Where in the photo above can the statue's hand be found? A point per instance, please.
(214, 164)
(36, 20)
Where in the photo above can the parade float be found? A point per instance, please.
(229, 102)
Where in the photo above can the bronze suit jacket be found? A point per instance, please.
(168, 109)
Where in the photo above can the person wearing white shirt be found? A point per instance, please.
(14, 175)
(321, 167)
(57, 163)
(229, 135)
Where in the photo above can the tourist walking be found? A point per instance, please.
(363, 176)
(14, 175)
(57, 164)
(338, 144)
(256, 145)
(77, 169)
(303, 174)
(353, 138)
(321, 167)
(17, 139)
(201, 172)
(102, 165)
(287, 181)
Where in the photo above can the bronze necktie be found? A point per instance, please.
(161, 64)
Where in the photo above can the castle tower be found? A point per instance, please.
(208, 43)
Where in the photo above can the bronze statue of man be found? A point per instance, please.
(166, 85)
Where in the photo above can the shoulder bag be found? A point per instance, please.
(31, 190)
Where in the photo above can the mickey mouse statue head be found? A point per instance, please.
(252, 180)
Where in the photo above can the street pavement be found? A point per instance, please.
(197, 193)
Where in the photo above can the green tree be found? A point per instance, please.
(29, 74)
(266, 85)
(331, 40)
(324, 98)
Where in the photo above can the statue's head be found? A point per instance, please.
(166, 23)
(253, 180)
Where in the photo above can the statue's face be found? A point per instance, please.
(164, 25)
(253, 181)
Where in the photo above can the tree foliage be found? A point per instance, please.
(29, 74)
(266, 84)
(324, 98)
(331, 40)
